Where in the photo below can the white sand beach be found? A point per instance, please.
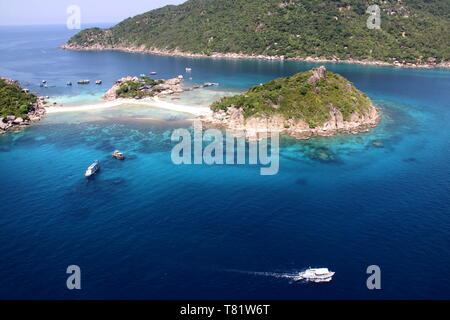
(150, 102)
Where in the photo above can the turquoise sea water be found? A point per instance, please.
(147, 229)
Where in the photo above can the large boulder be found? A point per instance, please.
(18, 120)
(318, 74)
(173, 81)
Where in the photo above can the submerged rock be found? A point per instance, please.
(378, 144)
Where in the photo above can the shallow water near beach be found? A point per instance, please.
(145, 228)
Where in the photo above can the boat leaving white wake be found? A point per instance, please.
(306, 275)
(282, 275)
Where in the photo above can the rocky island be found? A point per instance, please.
(316, 102)
(18, 107)
(143, 87)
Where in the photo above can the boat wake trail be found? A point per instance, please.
(292, 276)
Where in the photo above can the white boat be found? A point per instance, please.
(210, 84)
(316, 275)
(93, 168)
(188, 69)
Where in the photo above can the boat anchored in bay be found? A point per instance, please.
(118, 155)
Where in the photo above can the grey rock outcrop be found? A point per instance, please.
(234, 120)
(318, 74)
(18, 120)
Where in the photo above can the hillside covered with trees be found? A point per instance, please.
(413, 31)
(13, 100)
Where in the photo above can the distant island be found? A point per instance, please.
(18, 107)
(413, 33)
(315, 102)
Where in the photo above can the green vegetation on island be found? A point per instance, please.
(14, 101)
(144, 87)
(414, 31)
(307, 96)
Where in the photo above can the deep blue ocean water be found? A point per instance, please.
(147, 229)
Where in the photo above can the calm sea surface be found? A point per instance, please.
(147, 229)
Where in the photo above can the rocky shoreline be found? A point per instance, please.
(430, 64)
(233, 119)
(12, 123)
